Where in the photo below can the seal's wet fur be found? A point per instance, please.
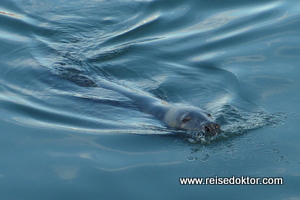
(187, 118)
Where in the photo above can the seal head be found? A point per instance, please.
(192, 119)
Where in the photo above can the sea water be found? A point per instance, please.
(64, 138)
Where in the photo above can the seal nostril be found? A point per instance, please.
(207, 129)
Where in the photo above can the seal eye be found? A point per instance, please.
(209, 115)
(185, 120)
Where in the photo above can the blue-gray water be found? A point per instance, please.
(62, 140)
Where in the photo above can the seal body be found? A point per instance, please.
(186, 118)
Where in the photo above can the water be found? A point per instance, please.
(62, 138)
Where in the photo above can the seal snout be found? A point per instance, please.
(210, 129)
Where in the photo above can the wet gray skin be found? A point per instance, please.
(191, 119)
(188, 118)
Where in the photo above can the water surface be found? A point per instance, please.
(62, 138)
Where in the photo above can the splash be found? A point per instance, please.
(236, 121)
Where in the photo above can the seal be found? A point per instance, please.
(195, 121)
